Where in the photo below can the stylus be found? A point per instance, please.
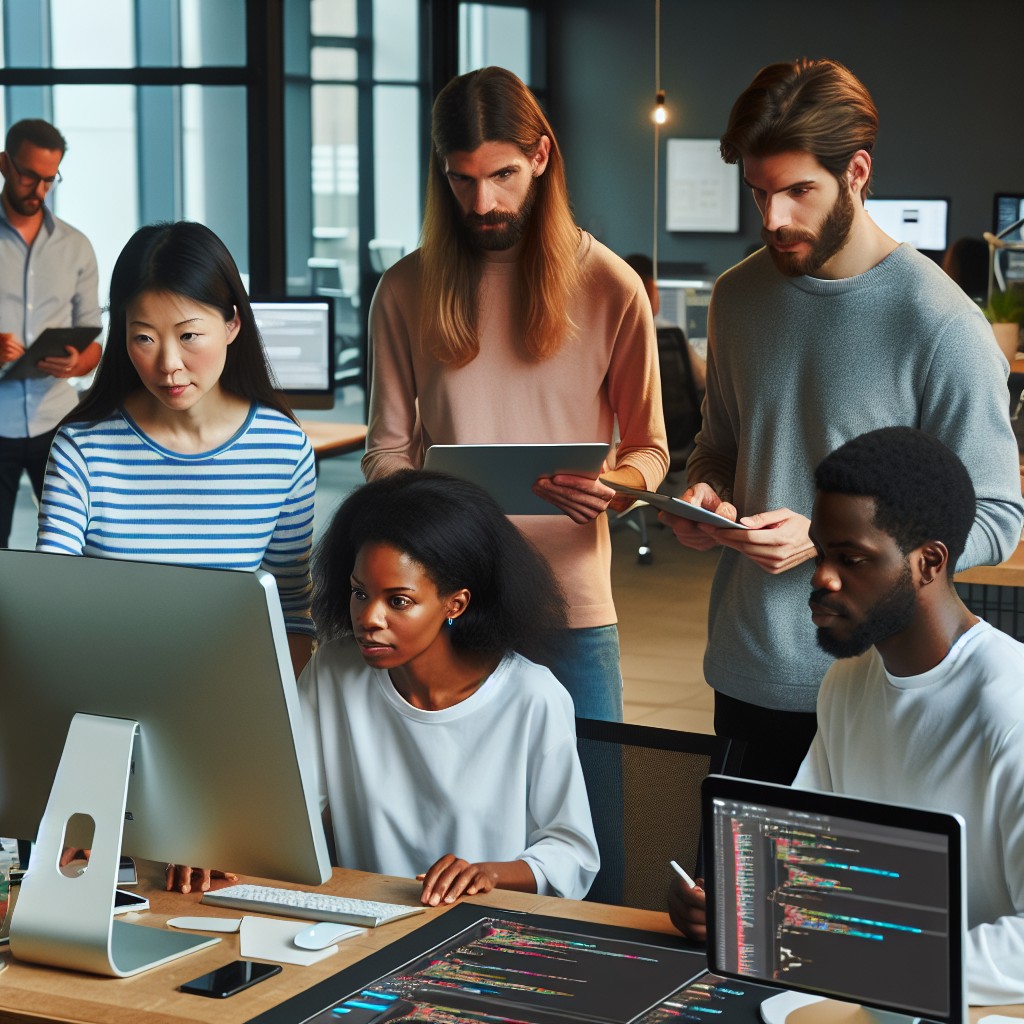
(683, 875)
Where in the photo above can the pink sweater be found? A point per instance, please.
(608, 369)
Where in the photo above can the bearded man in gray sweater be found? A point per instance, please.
(831, 330)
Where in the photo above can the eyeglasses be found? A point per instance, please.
(29, 179)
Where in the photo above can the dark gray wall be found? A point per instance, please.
(944, 74)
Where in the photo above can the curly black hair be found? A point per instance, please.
(460, 537)
(922, 490)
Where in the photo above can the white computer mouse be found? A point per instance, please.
(324, 934)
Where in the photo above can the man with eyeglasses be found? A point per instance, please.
(48, 278)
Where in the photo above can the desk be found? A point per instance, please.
(330, 439)
(29, 993)
(32, 993)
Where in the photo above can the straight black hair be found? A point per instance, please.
(187, 259)
(461, 538)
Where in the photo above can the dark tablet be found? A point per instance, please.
(52, 342)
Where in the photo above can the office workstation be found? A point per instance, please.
(328, 206)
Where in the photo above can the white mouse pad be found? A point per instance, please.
(263, 938)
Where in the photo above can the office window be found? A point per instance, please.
(494, 34)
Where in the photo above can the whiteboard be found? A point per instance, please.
(703, 192)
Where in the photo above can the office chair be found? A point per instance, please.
(644, 789)
(680, 401)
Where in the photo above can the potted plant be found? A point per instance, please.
(1005, 312)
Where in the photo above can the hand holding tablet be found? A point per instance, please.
(675, 507)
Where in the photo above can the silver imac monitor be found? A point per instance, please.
(924, 223)
(151, 710)
(298, 337)
(830, 896)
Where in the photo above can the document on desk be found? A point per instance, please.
(675, 507)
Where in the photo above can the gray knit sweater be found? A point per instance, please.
(797, 366)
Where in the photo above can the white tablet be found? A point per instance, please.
(675, 507)
(508, 471)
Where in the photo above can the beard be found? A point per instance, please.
(889, 615)
(500, 230)
(831, 237)
(26, 206)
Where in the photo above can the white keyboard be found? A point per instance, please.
(313, 906)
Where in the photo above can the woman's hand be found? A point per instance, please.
(182, 878)
(452, 877)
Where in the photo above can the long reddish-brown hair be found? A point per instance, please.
(493, 105)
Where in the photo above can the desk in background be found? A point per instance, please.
(330, 439)
(995, 593)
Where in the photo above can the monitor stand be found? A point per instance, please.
(801, 1008)
(67, 921)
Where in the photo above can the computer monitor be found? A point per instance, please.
(298, 336)
(1008, 211)
(217, 775)
(684, 304)
(924, 223)
(846, 899)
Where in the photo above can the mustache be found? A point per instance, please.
(495, 217)
(786, 236)
(822, 599)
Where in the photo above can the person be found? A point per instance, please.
(52, 281)
(830, 330)
(182, 451)
(444, 753)
(926, 708)
(644, 267)
(511, 325)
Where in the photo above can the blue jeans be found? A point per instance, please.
(587, 665)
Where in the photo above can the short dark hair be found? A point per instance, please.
(461, 538)
(922, 490)
(187, 259)
(35, 131)
(809, 106)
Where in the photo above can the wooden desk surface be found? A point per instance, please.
(1008, 574)
(29, 992)
(331, 439)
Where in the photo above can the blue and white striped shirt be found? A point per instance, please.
(111, 491)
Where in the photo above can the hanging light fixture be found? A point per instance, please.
(659, 115)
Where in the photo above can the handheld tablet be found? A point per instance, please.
(508, 471)
(675, 507)
(52, 342)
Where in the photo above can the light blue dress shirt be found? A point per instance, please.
(54, 283)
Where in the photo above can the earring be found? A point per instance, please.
(451, 622)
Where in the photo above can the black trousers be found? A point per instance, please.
(776, 741)
(18, 455)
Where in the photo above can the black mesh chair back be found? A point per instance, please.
(680, 397)
(644, 789)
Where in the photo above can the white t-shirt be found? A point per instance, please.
(493, 778)
(951, 739)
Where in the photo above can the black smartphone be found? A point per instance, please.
(232, 978)
(127, 902)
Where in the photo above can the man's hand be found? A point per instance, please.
(451, 877)
(182, 878)
(700, 536)
(10, 348)
(687, 910)
(61, 366)
(776, 541)
(579, 497)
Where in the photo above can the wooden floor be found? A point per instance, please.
(662, 610)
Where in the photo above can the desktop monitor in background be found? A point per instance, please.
(924, 223)
(298, 337)
(1009, 210)
(684, 304)
(845, 899)
(214, 774)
